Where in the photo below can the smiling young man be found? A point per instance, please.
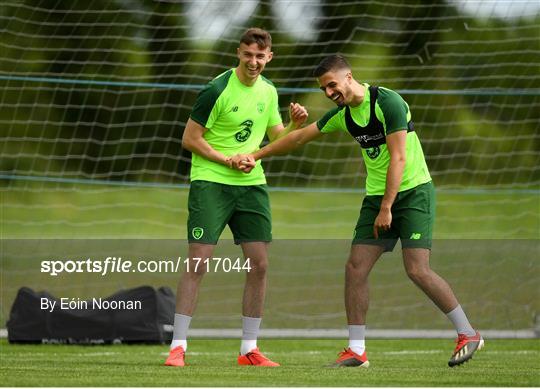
(399, 201)
(231, 115)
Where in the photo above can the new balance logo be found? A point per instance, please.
(415, 235)
(234, 109)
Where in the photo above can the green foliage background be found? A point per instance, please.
(133, 133)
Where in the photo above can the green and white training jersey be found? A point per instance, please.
(236, 117)
(391, 114)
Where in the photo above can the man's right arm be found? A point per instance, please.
(289, 142)
(193, 140)
(294, 139)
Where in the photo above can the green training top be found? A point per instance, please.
(392, 112)
(236, 117)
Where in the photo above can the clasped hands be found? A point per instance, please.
(242, 162)
(246, 162)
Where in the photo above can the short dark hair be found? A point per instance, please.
(262, 38)
(332, 62)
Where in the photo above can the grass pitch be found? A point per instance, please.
(213, 363)
(36, 210)
(499, 292)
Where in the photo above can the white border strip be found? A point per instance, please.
(343, 333)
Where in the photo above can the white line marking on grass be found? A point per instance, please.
(410, 352)
(67, 354)
(505, 352)
(295, 352)
(517, 352)
(106, 353)
(203, 353)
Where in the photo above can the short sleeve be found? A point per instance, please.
(203, 108)
(394, 109)
(331, 121)
(274, 117)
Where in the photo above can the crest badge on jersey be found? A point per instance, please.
(373, 152)
(260, 107)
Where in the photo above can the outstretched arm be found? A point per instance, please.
(194, 141)
(289, 142)
(246, 162)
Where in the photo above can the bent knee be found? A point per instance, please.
(419, 275)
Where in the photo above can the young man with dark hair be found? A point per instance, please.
(399, 201)
(232, 115)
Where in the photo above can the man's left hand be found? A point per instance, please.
(298, 114)
(382, 222)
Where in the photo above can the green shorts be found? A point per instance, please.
(413, 215)
(246, 209)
